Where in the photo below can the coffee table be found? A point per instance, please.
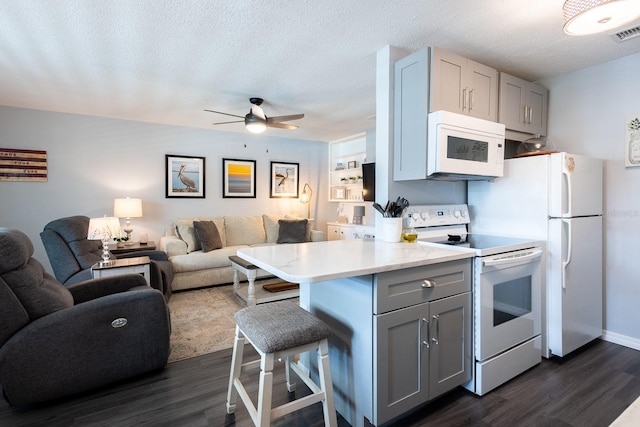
(251, 294)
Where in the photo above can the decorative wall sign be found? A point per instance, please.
(238, 178)
(23, 165)
(185, 176)
(632, 143)
(284, 179)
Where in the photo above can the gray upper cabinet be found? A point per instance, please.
(411, 106)
(463, 86)
(523, 105)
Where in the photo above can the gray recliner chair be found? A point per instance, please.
(71, 254)
(58, 340)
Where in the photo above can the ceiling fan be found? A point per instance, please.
(256, 121)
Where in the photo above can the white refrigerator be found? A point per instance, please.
(558, 198)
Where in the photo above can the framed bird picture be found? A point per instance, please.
(284, 179)
(238, 178)
(185, 176)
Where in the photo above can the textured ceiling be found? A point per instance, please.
(164, 61)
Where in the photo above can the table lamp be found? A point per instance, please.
(127, 208)
(105, 229)
(306, 198)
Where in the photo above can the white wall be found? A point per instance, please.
(588, 111)
(93, 160)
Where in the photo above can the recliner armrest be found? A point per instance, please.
(96, 288)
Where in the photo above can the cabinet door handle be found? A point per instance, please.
(464, 99)
(524, 117)
(436, 320)
(471, 96)
(425, 323)
(428, 283)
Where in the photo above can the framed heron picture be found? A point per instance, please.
(284, 179)
(238, 178)
(185, 176)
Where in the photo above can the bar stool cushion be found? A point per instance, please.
(279, 326)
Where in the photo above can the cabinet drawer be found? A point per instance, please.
(404, 288)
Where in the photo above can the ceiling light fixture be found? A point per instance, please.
(255, 121)
(584, 17)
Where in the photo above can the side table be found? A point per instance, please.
(151, 246)
(136, 265)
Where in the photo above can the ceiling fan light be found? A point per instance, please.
(254, 124)
(584, 17)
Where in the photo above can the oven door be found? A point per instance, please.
(507, 300)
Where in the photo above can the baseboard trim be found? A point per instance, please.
(620, 339)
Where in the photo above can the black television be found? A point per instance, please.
(369, 182)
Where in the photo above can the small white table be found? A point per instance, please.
(136, 265)
(252, 295)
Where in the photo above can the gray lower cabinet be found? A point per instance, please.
(400, 338)
(422, 352)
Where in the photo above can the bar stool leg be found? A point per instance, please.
(265, 390)
(236, 367)
(291, 386)
(324, 372)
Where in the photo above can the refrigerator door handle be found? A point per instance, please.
(567, 260)
(569, 196)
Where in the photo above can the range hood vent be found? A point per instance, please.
(627, 34)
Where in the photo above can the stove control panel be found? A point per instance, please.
(436, 215)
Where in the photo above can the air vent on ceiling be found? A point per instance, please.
(628, 34)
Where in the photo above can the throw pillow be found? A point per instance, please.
(186, 232)
(292, 231)
(207, 235)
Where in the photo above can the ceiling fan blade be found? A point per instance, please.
(281, 125)
(278, 119)
(226, 114)
(224, 123)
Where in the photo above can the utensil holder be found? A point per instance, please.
(392, 230)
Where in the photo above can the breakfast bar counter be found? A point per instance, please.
(400, 314)
(320, 261)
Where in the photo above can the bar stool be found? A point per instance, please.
(280, 330)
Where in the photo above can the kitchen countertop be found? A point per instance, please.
(320, 261)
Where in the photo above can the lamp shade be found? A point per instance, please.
(127, 208)
(584, 17)
(104, 228)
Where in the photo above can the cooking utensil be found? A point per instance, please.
(377, 207)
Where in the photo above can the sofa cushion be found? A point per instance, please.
(199, 260)
(244, 230)
(292, 231)
(186, 232)
(207, 235)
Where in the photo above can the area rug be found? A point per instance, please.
(630, 417)
(202, 320)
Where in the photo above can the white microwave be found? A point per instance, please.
(461, 147)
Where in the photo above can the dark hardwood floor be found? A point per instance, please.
(588, 388)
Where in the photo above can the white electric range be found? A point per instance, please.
(506, 289)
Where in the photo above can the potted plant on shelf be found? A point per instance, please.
(120, 241)
(343, 180)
